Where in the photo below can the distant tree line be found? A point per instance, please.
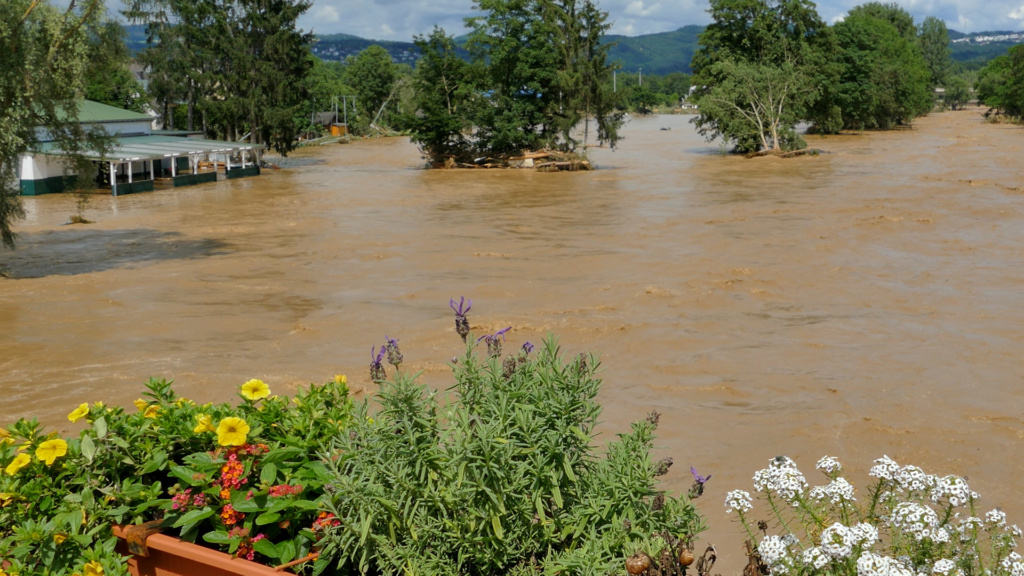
(767, 65)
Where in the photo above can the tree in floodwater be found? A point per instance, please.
(1001, 83)
(764, 65)
(885, 78)
(538, 70)
(46, 54)
(373, 76)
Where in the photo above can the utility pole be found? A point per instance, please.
(641, 76)
(614, 87)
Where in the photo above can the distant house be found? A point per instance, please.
(141, 156)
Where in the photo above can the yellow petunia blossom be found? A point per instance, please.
(151, 411)
(59, 538)
(255, 389)
(141, 404)
(231, 431)
(6, 498)
(98, 404)
(51, 450)
(19, 462)
(340, 379)
(204, 424)
(78, 413)
(93, 568)
(5, 437)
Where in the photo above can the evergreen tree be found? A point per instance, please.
(445, 92)
(372, 75)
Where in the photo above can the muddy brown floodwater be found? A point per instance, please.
(864, 302)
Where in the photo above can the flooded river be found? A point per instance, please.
(864, 302)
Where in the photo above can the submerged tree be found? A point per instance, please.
(778, 50)
(445, 92)
(46, 54)
(934, 40)
(1001, 83)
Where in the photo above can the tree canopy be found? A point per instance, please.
(1001, 83)
(46, 57)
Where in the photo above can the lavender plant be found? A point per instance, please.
(909, 523)
(500, 478)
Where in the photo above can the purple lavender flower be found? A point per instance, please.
(394, 354)
(493, 344)
(698, 483)
(527, 347)
(377, 372)
(461, 323)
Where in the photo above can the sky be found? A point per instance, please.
(401, 19)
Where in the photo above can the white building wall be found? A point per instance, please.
(38, 167)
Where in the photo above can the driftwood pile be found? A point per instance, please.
(541, 160)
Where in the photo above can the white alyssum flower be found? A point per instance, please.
(953, 489)
(997, 517)
(837, 541)
(829, 465)
(782, 477)
(885, 468)
(773, 550)
(837, 491)
(1014, 530)
(871, 564)
(738, 500)
(815, 557)
(864, 535)
(1014, 566)
(945, 567)
(913, 479)
(916, 519)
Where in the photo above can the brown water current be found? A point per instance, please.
(863, 302)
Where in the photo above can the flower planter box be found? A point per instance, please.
(169, 556)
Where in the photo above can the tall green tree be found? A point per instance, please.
(46, 53)
(934, 40)
(445, 93)
(109, 79)
(885, 78)
(372, 74)
(764, 39)
(1001, 83)
(890, 12)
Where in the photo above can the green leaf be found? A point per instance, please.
(216, 537)
(267, 518)
(267, 548)
(100, 426)
(241, 502)
(287, 551)
(88, 448)
(268, 474)
(280, 454)
(568, 470)
(496, 524)
(194, 516)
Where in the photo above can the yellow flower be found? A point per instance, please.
(141, 404)
(231, 431)
(255, 389)
(59, 538)
(5, 437)
(6, 498)
(19, 462)
(151, 411)
(51, 450)
(79, 412)
(93, 568)
(204, 424)
(340, 379)
(99, 404)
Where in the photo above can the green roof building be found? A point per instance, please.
(141, 157)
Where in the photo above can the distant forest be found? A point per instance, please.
(660, 53)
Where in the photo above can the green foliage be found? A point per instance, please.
(890, 12)
(373, 76)
(885, 78)
(108, 78)
(445, 92)
(46, 55)
(129, 466)
(1001, 83)
(239, 65)
(538, 70)
(958, 93)
(934, 40)
(500, 478)
(781, 47)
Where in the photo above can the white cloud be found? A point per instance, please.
(1018, 14)
(327, 14)
(637, 8)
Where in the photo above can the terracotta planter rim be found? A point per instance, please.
(162, 546)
